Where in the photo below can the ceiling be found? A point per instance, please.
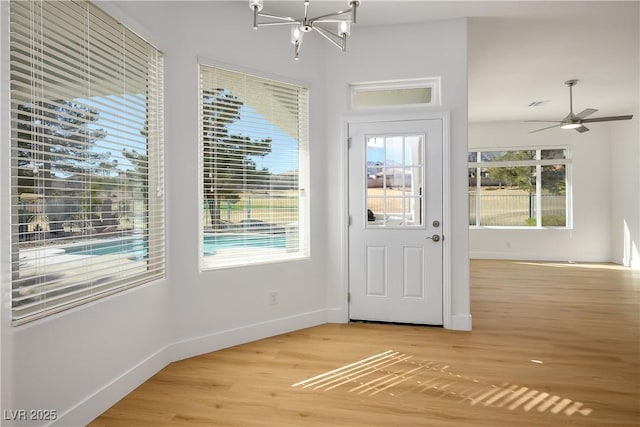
(521, 52)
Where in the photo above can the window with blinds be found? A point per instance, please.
(86, 153)
(254, 137)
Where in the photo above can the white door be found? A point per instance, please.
(395, 232)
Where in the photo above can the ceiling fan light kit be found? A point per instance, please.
(342, 19)
(576, 121)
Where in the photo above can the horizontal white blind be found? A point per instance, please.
(87, 201)
(254, 137)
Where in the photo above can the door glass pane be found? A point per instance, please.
(393, 149)
(394, 180)
(413, 150)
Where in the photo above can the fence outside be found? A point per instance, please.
(516, 210)
(281, 210)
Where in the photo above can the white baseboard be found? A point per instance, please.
(512, 256)
(337, 315)
(461, 322)
(244, 334)
(88, 409)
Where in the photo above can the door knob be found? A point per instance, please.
(435, 238)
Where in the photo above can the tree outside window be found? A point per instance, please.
(518, 188)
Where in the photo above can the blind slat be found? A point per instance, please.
(87, 164)
(254, 148)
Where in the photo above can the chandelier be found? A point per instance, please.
(342, 19)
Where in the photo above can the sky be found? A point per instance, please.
(284, 149)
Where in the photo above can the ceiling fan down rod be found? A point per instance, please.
(571, 83)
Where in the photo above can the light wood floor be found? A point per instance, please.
(552, 345)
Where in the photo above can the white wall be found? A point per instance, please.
(82, 361)
(212, 309)
(625, 192)
(589, 238)
(389, 53)
(59, 363)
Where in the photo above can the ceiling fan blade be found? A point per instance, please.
(549, 127)
(543, 121)
(607, 119)
(582, 129)
(586, 112)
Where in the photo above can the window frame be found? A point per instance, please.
(432, 83)
(303, 176)
(93, 280)
(538, 163)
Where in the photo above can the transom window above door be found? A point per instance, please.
(395, 93)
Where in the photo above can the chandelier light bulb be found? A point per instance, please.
(256, 5)
(344, 28)
(296, 34)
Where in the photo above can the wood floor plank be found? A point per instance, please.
(553, 344)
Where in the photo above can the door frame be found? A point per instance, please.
(396, 115)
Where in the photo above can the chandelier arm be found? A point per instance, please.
(330, 15)
(273, 24)
(323, 32)
(307, 24)
(282, 18)
(331, 21)
(328, 32)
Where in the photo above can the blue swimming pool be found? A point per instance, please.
(216, 242)
(212, 244)
(137, 247)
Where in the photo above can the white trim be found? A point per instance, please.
(532, 256)
(114, 10)
(231, 337)
(408, 115)
(6, 335)
(447, 299)
(512, 163)
(520, 148)
(86, 410)
(517, 227)
(202, 60)
(461, 322)
(337, 315)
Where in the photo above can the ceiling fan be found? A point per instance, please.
(576, 121)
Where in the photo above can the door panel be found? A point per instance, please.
(376, 271)
(395, 197)
(413, 272)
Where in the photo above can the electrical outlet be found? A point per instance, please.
(273, 298)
